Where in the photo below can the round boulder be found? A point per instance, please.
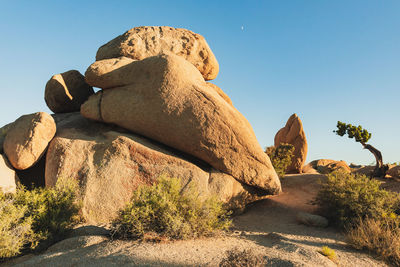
(28, 138)
(66, 92)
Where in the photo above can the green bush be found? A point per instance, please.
(345, 198)
(281, 157)
(162, 209)
(329, 253)
(29, 217)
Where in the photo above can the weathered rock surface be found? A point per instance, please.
(221, 93)
(293, 134)
(3, 133)
(311, 219)
(8, 177)
(394, 171)
(110, 164)
(142, 42)
(27, 139)
(166, 99)
(66, 92)
(325, 166)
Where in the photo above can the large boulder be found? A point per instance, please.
(66, 92)
(293, 134)
(325, 166)
(27, 139)
(111, 163)
(142, 42)
(394, 171)
(8, 177)
(3, 133)
(165, 98)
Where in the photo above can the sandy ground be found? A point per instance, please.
(268, 227)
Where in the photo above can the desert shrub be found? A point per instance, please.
(344, 198)
(329, 253)
(281, 157)
(29, 217)
(163, 209)
(242, 258)
(379, 236)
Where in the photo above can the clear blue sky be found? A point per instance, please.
(324, 60)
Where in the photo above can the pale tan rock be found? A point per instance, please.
(309, 169)
(111, 164)
(166, 99)
(325, 166)
(394, 171)
(8, 177)
(66, 92)
(27, 139)
(311, 219)
(293, 134)
(142, 42)
(221, 93)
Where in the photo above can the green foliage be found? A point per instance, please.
(242, 258)
(345, 198)
(28, 217)
(164, 210)
(361, 135)
(329, 253)
(281, 157)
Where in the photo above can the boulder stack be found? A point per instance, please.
(293, 134)
(156, 115)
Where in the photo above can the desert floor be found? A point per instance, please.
(268, 226)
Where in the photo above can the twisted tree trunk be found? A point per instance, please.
(380, 168)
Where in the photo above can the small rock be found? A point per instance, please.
(66, 92)
(311, 219)
(27, 139)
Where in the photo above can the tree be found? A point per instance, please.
(362, 136)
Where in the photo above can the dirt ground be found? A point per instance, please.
(269, 227)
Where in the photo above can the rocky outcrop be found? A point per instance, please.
(8, 177)
(325, 166)
(27, 139)
(165, 98)
(67, 91)
(293, 134)
(142, 42)
(111, 163)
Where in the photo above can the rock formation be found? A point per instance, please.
(142, 42)
(293, 134)
(155, 115)
(67, 91)
(111, 163)
(27, 139)
(8, 177)
(325, 166)
(165, 98)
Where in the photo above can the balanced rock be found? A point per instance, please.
(293, 134)
(142, 42)
(8, 177)
(66, 92)
(165, 98)
(325, 166)
(111, 163)
(27, 139)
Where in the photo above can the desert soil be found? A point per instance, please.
(269, 227)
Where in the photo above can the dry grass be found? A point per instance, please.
(242, 258)
(381, 237)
